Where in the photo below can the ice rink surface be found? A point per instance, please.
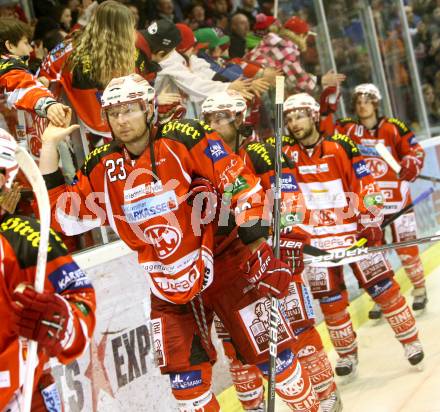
(385, 381)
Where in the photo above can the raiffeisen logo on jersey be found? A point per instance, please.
(288, 183)
(361, 169)
(215, 150)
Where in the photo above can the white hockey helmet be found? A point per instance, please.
(302, 101)
(127, 89)
(8, 164)
(222, 101)
(368, 89)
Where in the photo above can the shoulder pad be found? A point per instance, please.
(23, 234)
(95, 156)
(262, 156)
(349, 145)
(287, 140)
(8, 64)
(346, 120)
(401, 126)
(187, 131)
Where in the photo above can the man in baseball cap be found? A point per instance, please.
(162, 36)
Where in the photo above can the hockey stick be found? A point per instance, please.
(342, 254)
(274, 316)
(32, 173)
(431, 179)
(314, 251)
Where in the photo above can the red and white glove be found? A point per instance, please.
(373, 234)
(43, 317)
(411, 168)
(271, 276)
(292, 250)
(210, 198)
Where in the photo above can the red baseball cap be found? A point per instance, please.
(188, 39)
(262, 21)
(297, 25)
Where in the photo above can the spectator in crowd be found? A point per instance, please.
(197, 17)
(23, 89)
(85, 64)
(282, 50)
(432, 104)
(175, 75)
(250, 9)
(134, 9)
(219, 12)
(239, 30)
(165, 10)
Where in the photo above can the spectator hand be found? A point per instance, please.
(259, 86)
(271, 276)
(10, 199)
(243, 87)
(331, 78)
(43, 317)
(411, 168)
(270, 73)
(57, 114)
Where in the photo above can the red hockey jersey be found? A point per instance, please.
(19, 240)
(326, 189)
(399, 140)
(148, 207)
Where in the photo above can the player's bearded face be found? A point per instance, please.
(127, 121)
(223, 123)
(365, 107)
(300, 124)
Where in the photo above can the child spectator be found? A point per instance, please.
(23, 90)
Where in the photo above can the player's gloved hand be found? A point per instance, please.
(411, 168)
(43, 317)
(209, 198)
(292, 250)
(373, 234)
(270, 275)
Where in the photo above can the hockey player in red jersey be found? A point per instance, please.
(139, 184)
(225, 113)
(343, 204)
(368, 129)
(61, 319)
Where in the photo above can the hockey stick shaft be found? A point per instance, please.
(422, 196)
(341, 254)
(32, 173)
(273, 328)
(429, 178)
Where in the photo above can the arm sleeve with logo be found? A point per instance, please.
(63, 276)
(405, 141)
(79, 207)
(203, 153)
(23, 90)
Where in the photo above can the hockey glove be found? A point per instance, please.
(292, 251)
(271, 276)
(43, 317)
(372, 233)
(411, 168)
(202, 190)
